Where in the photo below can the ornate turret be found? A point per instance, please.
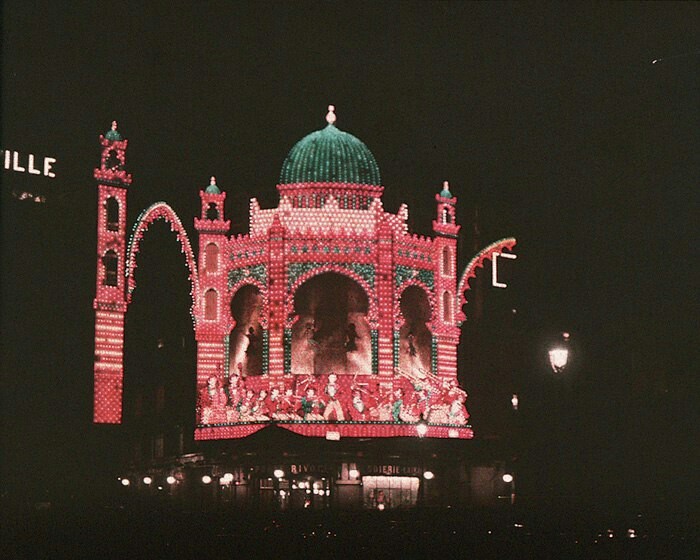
(212, 214)
(110, 292)
(445, 224)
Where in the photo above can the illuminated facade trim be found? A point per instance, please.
(388, 372)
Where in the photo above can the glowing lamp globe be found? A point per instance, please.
(558, 358)
(147, 480)
(206, 479)
(125, 482)
(228, 477)
(508, 478)
(171, 480)
(354, 473)
(279, 473)
(428, 475)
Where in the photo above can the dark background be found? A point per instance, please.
(549, 118)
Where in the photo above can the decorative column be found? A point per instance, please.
(110, 302)
(385, 286)
(277, 291)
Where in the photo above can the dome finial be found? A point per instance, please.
(330, 117)
(114, 125)
(212, 180)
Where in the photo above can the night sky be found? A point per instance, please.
(550, 119)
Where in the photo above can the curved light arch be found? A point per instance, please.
(372, 313)
(470, 272)
(161, 211)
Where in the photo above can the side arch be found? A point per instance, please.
(470, 271)
(398, 315)
(161, 211)
(233, 290)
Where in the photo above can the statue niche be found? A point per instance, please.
(245, 340)
(414, 336)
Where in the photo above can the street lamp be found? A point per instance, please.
(510, 479)
(559, 355)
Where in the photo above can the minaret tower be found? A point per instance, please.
(446, 329)
(213, 318)
(110, 294)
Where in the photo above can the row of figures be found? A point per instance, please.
(332, 398)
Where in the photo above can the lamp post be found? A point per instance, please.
(510, 480)
(560, 407)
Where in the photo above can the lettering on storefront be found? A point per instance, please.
(387, 470)
(391, 470)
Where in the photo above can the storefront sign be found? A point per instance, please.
(28, 163)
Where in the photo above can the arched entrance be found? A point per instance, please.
(245, 340)
(415, 339)
(331, 333)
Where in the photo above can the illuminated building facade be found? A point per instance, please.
(327, 319)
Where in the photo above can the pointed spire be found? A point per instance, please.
(330, 117)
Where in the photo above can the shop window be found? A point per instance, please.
(390, 492)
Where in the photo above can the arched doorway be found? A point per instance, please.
(415, 339)
(331, 333)
(245, 340)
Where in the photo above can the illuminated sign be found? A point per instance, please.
(28, 163)
(494, 269)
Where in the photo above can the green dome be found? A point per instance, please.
(330, 155)
(212, 188)
(445, 193)
(113, 133)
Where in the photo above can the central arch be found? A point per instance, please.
(331, 331)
